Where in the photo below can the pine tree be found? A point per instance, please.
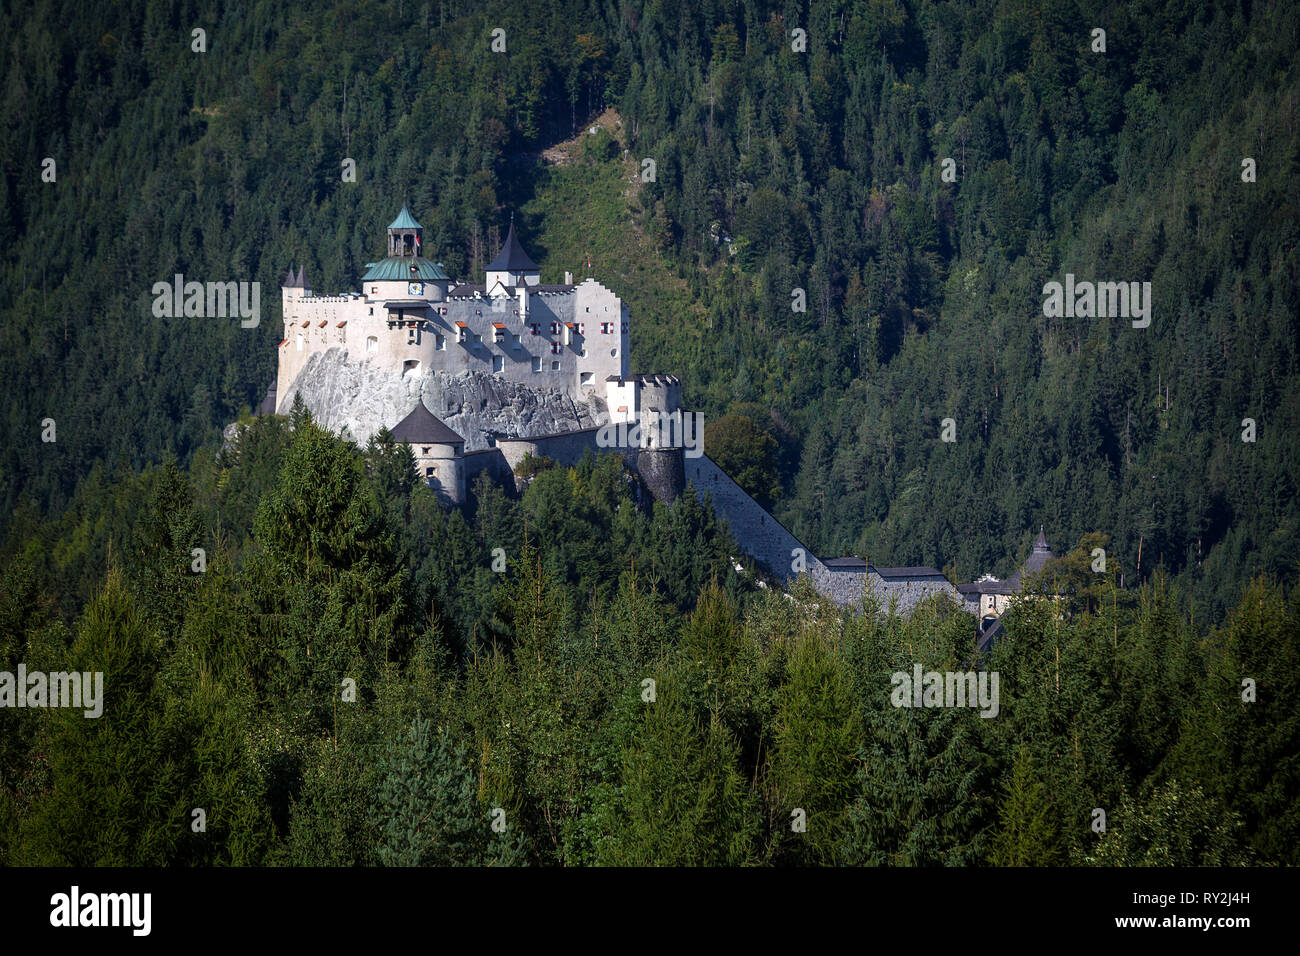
(116, 795)
(1172, 826)
(812, 764)
(679, 798)
(427, 809)
(1028, 833)
(923, 798)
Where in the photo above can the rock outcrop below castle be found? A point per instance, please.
(341, 393)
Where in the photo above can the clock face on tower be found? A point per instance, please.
(415, 288)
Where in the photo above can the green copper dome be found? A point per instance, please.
(398, 269)
(404, 220)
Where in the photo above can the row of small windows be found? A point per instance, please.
(440, 343)
(413, 337)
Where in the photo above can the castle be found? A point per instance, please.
(412, 324)
(409, 317)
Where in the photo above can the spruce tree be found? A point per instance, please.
(427, 810)
(1028, 833)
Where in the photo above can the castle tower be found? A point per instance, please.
(512, 267)
(405, 273)
(439, 452)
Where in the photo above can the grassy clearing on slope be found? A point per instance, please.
(584, 208)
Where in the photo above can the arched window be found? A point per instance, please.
(372, 343)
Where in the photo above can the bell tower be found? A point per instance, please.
(405, 235)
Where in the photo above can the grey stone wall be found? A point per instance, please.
(844, 586)
(565, 449)
(488, 460)
(764, 538)
(906, 593)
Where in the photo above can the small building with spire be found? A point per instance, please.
(988, 598)
(512, 267)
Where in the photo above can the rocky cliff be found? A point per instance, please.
(353, 395)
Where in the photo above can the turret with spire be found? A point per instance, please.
(512, 266)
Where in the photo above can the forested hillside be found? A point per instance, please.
(775, 170)
(737, 171)
(349, 682)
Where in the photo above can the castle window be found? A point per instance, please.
(440, 343)
(372, 344)
(555, 366)
(585, 378)
(555, 328)
(613, 353)
(424, 451)
(431, 472)
(374, 290)
(582, 328)
(537, 364)
(478, 339)
(514, 341)
(536, 328)
(412, 336)
(555, 348)
(410, 365)
(583, 353)
(498, 363)
(606, 328)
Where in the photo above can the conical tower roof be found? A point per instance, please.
(1040, 543)
(512, 257)
(404, 220)
(423, 427)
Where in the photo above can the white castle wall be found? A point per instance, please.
(569, 339)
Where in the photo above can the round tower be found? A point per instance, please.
(664, 472)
